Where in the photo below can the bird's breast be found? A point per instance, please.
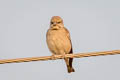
(58, 42)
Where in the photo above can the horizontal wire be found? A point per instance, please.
(44, 58)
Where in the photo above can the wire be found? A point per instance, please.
(44, 58)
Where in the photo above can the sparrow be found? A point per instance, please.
(59, 42)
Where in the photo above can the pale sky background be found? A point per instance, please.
(94, 26)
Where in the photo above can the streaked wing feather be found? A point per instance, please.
(68, 35)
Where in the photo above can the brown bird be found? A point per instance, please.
(59, 42)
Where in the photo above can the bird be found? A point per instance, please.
(59, 42)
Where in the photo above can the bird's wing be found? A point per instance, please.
(68, 35)
(71, 51)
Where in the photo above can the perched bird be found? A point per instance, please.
(59, 42)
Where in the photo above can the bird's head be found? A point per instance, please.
(56, 22)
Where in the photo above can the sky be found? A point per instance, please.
(93, 24)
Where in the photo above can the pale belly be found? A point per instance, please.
(58, 43)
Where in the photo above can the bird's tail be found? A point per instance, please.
(69, 65)
(70, 68)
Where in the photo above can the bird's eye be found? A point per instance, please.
(51, 22)
(58, 22)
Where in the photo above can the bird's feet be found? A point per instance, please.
(53, 57)
(63, 56)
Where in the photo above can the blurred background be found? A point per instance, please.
(94, 25)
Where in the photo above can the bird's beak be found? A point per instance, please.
(55, 27)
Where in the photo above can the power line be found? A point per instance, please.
(44, 58)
